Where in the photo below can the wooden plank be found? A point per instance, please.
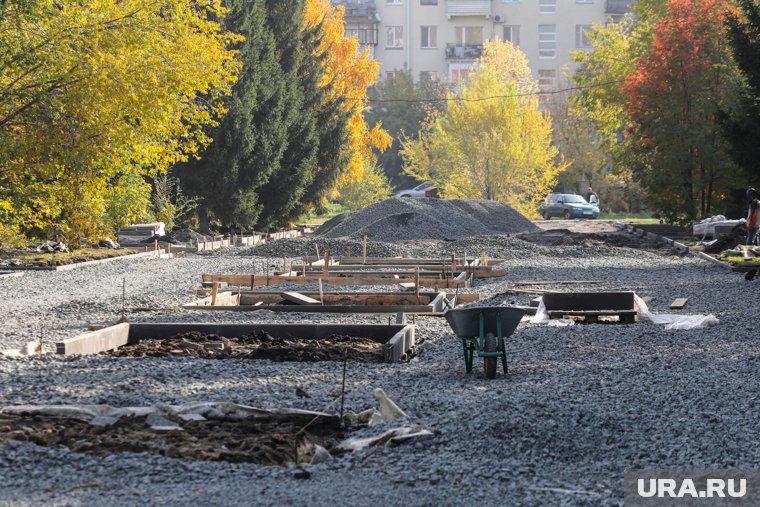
(596, 313)
(557, 282)
(329, 280)
(408, 261)
(343, 297)
(426, 271)
(214, 291)
(332, 308)
(343, 266)
(299, 299)
(408, 285)
(326, 265)
(678, 303)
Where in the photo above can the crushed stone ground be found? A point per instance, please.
(579, 407)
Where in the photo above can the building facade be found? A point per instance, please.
(442, 39)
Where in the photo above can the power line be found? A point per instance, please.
(481, 99)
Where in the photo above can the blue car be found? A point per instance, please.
(567, 206)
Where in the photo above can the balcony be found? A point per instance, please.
(357, 8)
(463, 51)
(618, 7)
(366, 35)
(468, 8)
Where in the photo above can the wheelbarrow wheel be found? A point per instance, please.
(489, 363)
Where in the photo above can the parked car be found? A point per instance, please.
(567, 206)
(426, 189)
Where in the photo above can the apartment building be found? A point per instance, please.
(442, 39)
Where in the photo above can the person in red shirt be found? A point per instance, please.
(753, 220)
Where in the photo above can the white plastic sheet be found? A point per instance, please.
(674, 321)
(670, 321)
(706, 228)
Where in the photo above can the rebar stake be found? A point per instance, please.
(124, 299)
(343, 386)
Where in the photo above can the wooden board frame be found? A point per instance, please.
(463, 280)
(426, 303)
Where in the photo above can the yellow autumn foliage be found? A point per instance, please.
(347, 72)
(493, 141)
(92, 93)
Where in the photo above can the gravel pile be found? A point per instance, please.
(413, 219)
(580, 404)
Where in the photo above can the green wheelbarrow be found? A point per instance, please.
(482, 330)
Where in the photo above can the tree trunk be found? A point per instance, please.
(203, 219)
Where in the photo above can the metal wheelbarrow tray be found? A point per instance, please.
(482, 330)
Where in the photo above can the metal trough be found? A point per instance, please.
(398, 339)
(591, 305)
(357, 302)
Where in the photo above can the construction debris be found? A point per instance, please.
(215, 431)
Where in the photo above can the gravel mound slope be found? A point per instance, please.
(579, 406)
(411, 219)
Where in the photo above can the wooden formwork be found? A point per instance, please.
(398, 340)
(462, 280)
(426, 271)
(410, 261)
(591, 305)
(333, 302)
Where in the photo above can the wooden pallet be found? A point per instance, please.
(592, 316)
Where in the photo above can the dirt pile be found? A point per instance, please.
(267, 442)
(440, 219)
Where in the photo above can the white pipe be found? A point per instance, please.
(409, 34)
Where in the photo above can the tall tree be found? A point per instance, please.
(88, 95)
(580, 144)
(250, 141)
(302, 73)
(615, 51)
(674, 99)
(742, 124)
(493, 142)
(401, 106)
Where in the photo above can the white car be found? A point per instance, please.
(426, 189)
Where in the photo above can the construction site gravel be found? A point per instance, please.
(581, 404)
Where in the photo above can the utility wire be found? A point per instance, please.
(481, 99)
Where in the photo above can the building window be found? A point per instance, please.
(460, 72)
(469, 35)
(393, 2)
(547, 80)
(512, 34)
(365, 35)
(547, 41)
(395, 36)
(428, 2)
(428, 37)
(581, 36)
(547, 6)
(429, 75)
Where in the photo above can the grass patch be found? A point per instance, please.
(740, 260)
(36, 259)
(641, 218)
(333, 209)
